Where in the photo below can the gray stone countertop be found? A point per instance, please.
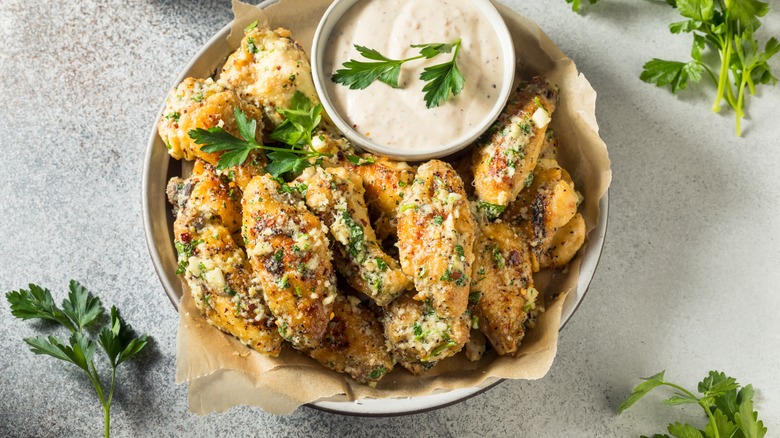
(688, 280)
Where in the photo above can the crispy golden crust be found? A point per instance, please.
(288, 250)
(214, 267)
(419, 336)
(548, 204)
(564, 245)
(505, 157)
(503, 289)
(435, 238)
(385, 182)
(336, 197)
(267, 70)
(199, 103)
(207, 196)
(353, 343)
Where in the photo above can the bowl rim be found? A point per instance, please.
(172, 286)
(328, 22)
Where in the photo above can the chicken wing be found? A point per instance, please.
(548, 204)
(419, 336)
(354, 343)
(199, 103)
(564, 245)
(502, 292)
(385, 182)
(336, 197)
(435, 238)
(505, 156)
(213, 266)
(267, 70)
(288, 250)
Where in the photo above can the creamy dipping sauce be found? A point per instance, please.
(398, 117)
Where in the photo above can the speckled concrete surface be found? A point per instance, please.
(688, 280)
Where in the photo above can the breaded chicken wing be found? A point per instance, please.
(354, 343)
(336, 197)
(288, 250)
(199, 103)
(502, 292)
(564, 245)
(547, 205)
(213, 266)
(385, 182)
(505, 157)
(435, 238)
(419, 336)
(267, 70)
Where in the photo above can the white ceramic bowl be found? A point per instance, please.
(332, 17)
(158, 225)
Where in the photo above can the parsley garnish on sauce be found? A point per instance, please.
(442, 80)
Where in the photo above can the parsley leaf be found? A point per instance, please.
(674, 73)
(358, 161)
(301, 119)
(119, 340)
(80, 309)
(80, 351)
(730, 413)
(36, 303)
(727, 28)
(431, 50)
(442, 80)
(358, 75)
(236, 150)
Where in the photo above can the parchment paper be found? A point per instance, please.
(223, 373)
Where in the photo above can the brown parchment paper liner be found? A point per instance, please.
(223, 373)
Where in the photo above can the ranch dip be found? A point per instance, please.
(398, 117)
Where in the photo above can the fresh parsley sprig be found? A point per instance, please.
(442, 80)
(729, 409)
(726, 27)
(301, 119)
(80, 310)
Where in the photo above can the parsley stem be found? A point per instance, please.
(107, 405)
(709, 72)
(295, 151)
(693, 396)
(725, 57)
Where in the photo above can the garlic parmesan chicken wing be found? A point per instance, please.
(547, 205)
(354, 343)
(336, 197)
(435, 238)
(288, 250)
(502, 291)
(267, 70)
(505, 157)
(213, 266)
(200, 103)
(564, 245)
(385, 182)
(419, 336)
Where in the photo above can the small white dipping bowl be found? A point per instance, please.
(328, 22)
